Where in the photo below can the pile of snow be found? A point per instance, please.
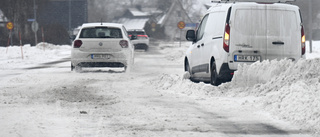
(288, 90)
(20, 57)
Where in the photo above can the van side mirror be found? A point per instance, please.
(191, 35)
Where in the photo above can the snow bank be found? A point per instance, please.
(27, 55)
(291, 91)
(288, 90)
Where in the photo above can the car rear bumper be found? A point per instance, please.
(101, 64)
(141, 46)
(84, 59)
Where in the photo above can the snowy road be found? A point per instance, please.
(49, 100)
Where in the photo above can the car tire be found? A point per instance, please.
(214, 80)
(78, 68)
(72, 67)
(146, 49)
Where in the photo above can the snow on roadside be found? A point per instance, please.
(32, 55)
(288, 90)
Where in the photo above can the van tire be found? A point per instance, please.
(214, 80)
(187, 68)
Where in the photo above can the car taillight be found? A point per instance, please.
(145, 36)
(124, 44)
(226, 38)
(303, 41)
(77, 44)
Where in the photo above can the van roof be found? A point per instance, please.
(226, 6)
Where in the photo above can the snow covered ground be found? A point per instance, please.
(279, 90)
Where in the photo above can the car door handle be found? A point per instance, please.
(202, 44)
(278, 43)
(198, 46)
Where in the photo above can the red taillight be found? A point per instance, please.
(226, 38)
(77, 44)
(124, 44)
(145, 36)
(303, 41)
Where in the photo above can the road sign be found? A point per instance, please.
(181, 25)
(191, 25)
(34, 26)
(9, 25)
(31, 20)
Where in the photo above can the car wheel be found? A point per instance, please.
(146, 49)
(214, 80)
(72, 67)
(78, 68)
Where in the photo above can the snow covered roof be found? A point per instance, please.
(2, 17)
(136, 12)
(134, 23)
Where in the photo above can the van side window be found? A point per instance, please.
(201, 28)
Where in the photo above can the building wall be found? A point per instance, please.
(68, 13)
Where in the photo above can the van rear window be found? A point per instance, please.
(261, 22)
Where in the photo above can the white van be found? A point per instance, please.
(233, 33)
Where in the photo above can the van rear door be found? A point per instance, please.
(264, 31)
(283, 32)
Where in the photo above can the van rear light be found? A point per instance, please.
(124, 44)
(303, 41)
(77, 44)
(226, 38)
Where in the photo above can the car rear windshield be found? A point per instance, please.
(101, 32)
(136, 33)
(261, 22)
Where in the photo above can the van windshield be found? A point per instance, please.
(260, 22)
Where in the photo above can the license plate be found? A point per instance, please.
(100, 56)
(247, 58)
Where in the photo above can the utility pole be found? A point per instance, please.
(310, 25)
(70, 18)
(35, 21)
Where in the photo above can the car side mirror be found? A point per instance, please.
(133, 37)
(191, 35)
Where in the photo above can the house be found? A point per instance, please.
(3, 19)
(168, 23)
(139, 18)
(59, 17)
(157, 24)
(69, 13)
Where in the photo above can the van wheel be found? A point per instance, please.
(214, 80)
(187, 67)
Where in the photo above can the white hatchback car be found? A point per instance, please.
(102, 45)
